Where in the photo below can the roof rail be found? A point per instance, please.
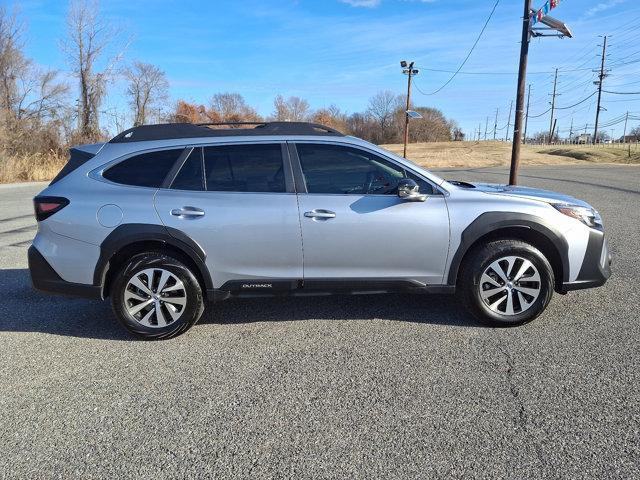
(169, 131)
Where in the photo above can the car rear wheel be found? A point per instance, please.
(155, 296)
(506, 282)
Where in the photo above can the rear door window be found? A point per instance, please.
(144, 170)
(244, 168)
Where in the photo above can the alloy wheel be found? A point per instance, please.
(510, 285)
(155, 297)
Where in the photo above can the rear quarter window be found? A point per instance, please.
(144, 170)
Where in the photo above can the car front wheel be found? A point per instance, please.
(155, 296)
(506, 282)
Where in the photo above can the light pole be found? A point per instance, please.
(407, 69)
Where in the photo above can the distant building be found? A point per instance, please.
(583, 138)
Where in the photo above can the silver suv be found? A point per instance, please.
(164, 217)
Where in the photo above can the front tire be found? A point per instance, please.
(506, 283)
(156, 296)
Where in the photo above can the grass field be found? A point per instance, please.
(487, 154)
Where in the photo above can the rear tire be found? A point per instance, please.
(156, 296)
(506, 283)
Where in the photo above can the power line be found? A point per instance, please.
(543, 113)
(578, 103)
(468, 54)
(622, 93)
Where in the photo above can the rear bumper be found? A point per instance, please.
(596, 265)
(45, 279)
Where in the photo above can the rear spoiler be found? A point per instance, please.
(77, 157)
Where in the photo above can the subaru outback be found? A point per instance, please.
(163, 218)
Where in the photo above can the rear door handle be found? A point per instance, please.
(187, 212)
(320, 213)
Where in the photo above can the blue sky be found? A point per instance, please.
(343, 52)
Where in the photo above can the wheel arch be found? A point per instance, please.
(518, 226)
(130, 239)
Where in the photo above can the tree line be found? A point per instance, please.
(42, 111)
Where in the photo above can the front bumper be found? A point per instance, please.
(596, 265)
(45, 279)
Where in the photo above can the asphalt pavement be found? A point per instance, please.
(384, 386)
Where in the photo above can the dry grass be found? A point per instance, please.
(26, 168)
(487, 154)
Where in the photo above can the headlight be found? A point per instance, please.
(589, 216)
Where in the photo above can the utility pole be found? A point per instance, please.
(624, 134)
(506, 135)
(553, 105)
(571, 131)
(526, 118)
(406, 113)
(486, 124)
(601, 78)
(522, 78)
(495, 125)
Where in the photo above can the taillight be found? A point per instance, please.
(46, 206)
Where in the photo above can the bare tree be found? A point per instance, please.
(432, 127)
(148, 90)
(382, 108)
(292, 109)
(231, 107)
(31, 99)
(13, 64)
(88, 38)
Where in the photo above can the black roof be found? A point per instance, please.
(169, 131)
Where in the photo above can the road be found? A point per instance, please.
(330, 387)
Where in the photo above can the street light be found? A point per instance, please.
(407, 69)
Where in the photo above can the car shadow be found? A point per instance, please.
(27, 310)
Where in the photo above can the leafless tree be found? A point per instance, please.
(31, 99)
(292, 109)
(231, 107)
(147, 89)
(87, 39)
(13, 64)
(382, 108)
(432, 127)
(457, 135)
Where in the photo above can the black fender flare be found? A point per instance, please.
(492, 221)
(130, 233)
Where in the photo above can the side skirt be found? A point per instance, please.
(317, 287)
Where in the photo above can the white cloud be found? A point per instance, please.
(362, 3)
(602, 6)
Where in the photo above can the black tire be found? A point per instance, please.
(190, 313)
(474, 265)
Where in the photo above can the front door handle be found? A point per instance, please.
(320, 213)
(187, 212)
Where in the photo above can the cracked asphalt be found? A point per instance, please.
(378, 386)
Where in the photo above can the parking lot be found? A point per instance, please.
(378, 386)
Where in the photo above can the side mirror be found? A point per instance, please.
(409, 190)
